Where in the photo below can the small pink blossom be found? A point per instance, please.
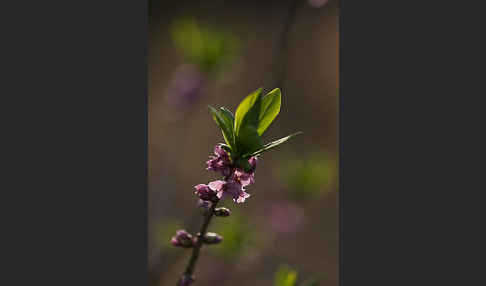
(204, 192)
(229, 188)
(246, 178)
(221, 162)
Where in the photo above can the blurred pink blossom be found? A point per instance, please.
(285, 217)
(185, 86)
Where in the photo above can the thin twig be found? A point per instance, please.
(195, 252)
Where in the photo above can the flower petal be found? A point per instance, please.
(216, 185)
(242, 197)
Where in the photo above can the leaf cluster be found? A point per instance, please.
(242, 131)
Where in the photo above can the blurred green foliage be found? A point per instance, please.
(308, 177)
(237, 233)
(285, 276)
(202, 46)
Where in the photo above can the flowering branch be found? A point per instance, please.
(236, 161)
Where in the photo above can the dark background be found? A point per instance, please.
(292, 216)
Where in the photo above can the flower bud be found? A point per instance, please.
(253, 163)
(224, 212)
(182, 239)
(212, 238)
(185, 280)
(174, 241)
(204, 192)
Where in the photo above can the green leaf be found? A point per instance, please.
(285, 276)
(229, 121)
(247, 138)
(248, 141)
(226, 148)
(224, 125)
(248, 110)
(270, 107)
(228, 114)
(244, 164)
(271, 145)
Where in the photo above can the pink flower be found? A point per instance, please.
(204, 192)
(221, 162)
(229, 188)
(246, 178)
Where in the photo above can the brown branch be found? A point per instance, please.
(189, 272)
(195, 252)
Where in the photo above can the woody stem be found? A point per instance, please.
(199, 242)
(195, 251)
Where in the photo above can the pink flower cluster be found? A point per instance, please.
(235, 181)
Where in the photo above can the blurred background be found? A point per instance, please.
(215, 53)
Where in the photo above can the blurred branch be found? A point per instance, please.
(283, 45)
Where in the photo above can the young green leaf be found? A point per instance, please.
(270, 107)
(224, 125)
(271, 145)
(248, 141)
(226, 148)
(248, 110)
(243, 164)
(229, 122)
(228, 114)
